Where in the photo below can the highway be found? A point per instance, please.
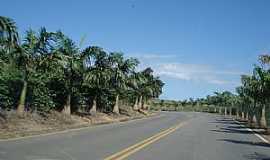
(167, 136)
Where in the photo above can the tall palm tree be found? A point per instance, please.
(68, 58)
(251, 88)
(8, 33)
(121, 70)
(97, 73)
(151, 87)
(263, 75)
(145, 88)
(28, 57)
(135, 80)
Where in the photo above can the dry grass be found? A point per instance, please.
(12, 125)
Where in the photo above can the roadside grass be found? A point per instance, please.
(13, 126)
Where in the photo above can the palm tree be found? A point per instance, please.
(251, 88)
(70, 64)
(8, 33)
(28, 57)
(263, 75)
(135, 81)
(122, 71)
(151, 87)
(97, 73)
(119, 71)
(156, 85)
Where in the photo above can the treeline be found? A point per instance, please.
(47, 71)
(196, 105)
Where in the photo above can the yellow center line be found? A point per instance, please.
(138, 146)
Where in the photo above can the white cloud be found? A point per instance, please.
(174, 75)
(153, 56)
(195, 72)
(217, 81)
(186, 71)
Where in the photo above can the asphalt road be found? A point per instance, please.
(200, 136)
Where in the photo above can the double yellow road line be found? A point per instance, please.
(138, 146)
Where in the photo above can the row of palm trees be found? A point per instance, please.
(48, 71)
(251, 101)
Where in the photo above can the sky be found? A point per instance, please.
(196, 47)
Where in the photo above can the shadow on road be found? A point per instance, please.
(261, 144)
(231, 130)
(257, 156)
(224, 121)
(236, 127)
(229, 126)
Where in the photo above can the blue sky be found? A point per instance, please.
(196, 47)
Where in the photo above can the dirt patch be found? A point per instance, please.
(12, 125)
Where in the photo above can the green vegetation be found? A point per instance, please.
(48, 71)
(190, 105)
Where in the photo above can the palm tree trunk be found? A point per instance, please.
(143, 103)
(230, 111)
(242, 115)
(21, 106)
(263, 122)
(247, 116)
(225, 112)
(140, 103)
(219, 110)
(93, 109)
(116, 107)
(237, 113)
(67, 108)
(135, 107)
(254, 120)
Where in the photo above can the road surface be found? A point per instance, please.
(171, 136)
